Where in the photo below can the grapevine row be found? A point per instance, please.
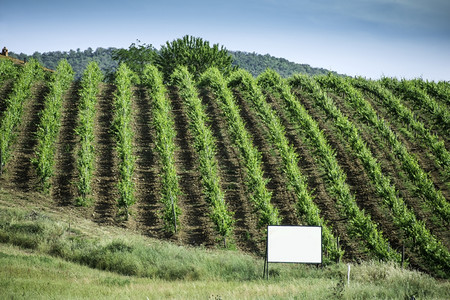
(92, 76)
(50, 122)
(307, 211)
(421, 99)
(251, 157)
(415, 231)
(204, 143)
(424, 185)
(8, 70)
(12, 116)
(124, 136)
(165, 145)
(406, 116)
(439, 90)
(359, 224)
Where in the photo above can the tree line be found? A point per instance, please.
(106, 58)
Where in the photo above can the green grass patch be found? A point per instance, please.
(43, 257)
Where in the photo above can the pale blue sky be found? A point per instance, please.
(401, 38)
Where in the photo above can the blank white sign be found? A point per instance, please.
(294, 244)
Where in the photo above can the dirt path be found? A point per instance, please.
(196, 226)
(64, 188)
(146, 170)
(105, 174)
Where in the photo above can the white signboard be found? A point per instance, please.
(294, 244)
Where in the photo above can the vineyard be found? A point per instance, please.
(211, 160)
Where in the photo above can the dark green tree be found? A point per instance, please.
(195, 54)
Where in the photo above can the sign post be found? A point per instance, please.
(293, 244)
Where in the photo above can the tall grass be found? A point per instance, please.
(53, 267)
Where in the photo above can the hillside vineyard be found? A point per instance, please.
(212, 162)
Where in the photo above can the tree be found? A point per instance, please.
(195, 54)
(136, 57)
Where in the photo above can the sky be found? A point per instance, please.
(393, 38)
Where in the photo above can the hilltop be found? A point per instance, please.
(253, 62)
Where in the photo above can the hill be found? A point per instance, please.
(367, 160)
(253, 62)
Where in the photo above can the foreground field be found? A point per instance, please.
(31, 268)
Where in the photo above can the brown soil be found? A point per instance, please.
(105, 174)
(146, 171)
(64, 190)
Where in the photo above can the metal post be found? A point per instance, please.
(174, 216)
(403, 255)
(348, 275)
(266, 265)
(338, 257)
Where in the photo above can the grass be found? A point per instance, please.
(44, 255)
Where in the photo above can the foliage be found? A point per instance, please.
(205, 144)
(124, 136)
(50, 122)
(408, 90)
(136, 57)
(258, 63)
(15, 102)
(76, 58)
(439, 90)
(8, 69)
(85, 130)
(195, 54)
(165, 146)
